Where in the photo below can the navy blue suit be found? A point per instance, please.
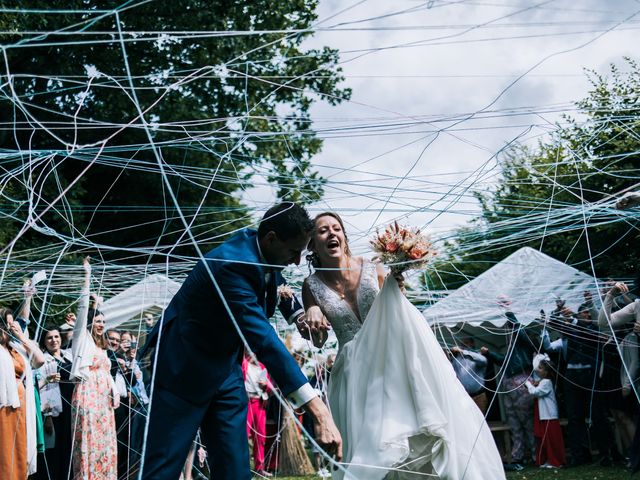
(198, 377)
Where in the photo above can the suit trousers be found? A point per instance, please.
(582, 401)
(174, 423)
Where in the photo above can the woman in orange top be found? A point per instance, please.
(14, 344)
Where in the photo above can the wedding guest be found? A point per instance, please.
(470, 368)
(94, 399)
(580, 347)
(56, 391)
(515, 371)
(18, 355)
(625, 316)
(149, 322)
(258, 387)
(589, 304)
(125, 341)
(113, 337)
(131, 415)
(66, 330)
(630, 373)
(116, 358)
(546, 426)
(135, 379)
(630, 382)
(619, 313)
(560, 310)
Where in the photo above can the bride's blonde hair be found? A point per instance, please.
(313, 258)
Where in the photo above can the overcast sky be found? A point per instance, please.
(417, 67)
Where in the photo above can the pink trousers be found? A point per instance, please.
(257, 430)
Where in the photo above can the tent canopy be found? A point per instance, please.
(151, 295)
(530, 279)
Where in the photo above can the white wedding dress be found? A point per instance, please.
(394, 395)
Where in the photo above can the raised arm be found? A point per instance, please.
(493, 357)
(477, 358)
(623, 316)
(80, 327)
(628, 200)
(32, 350)
(548, 345)
(25, 308)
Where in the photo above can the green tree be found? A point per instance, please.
(554, 197)
(225, 88)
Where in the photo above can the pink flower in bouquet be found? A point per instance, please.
(392, 246)
(417, 252)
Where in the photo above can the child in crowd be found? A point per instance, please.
(546, 427)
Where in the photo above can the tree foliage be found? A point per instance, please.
(109, 107)
(557, 196)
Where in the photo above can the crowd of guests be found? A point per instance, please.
(74, 407)
(581, 364)
(278, 444)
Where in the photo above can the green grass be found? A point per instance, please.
(579, 473)
(532, 473)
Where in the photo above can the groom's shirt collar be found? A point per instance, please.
(263, 261)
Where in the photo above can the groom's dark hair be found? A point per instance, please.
(287, 219)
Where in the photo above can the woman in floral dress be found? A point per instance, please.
(93, 401)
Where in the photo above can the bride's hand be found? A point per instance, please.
(318, 326)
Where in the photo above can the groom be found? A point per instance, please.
(198, 380)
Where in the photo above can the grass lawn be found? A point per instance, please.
(580, 473)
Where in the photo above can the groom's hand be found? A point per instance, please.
(326, 432)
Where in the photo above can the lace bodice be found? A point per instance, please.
(344, 321)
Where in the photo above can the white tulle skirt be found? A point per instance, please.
(401, 410)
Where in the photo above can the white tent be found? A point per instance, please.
(151, 295)
(530, 279)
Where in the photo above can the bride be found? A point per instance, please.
(393, 394)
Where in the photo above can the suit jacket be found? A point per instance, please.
(199, 345)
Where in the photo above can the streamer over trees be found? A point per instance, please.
(547, 194)
(217, 105)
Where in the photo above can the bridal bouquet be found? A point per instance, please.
(402, 248)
